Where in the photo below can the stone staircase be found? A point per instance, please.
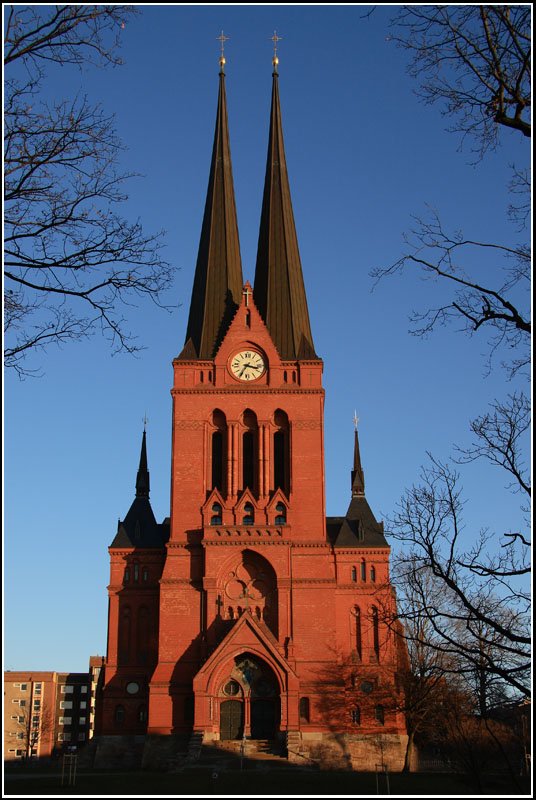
(236, 754)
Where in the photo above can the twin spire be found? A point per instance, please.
(279, 291)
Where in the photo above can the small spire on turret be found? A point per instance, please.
(222, 39)
(358, 476)
(275, 61)
(142, 478)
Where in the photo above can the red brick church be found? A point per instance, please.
(249, 613)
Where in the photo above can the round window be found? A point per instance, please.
(133, 687)
(231, 688)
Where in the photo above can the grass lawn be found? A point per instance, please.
(251, 782)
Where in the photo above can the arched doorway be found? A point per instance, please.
(231, 719)
(250, 700)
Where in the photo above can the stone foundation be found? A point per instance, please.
(362, 753)
(118, 752)
(164, 753)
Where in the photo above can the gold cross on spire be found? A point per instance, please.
(275, 39)
(222, 39)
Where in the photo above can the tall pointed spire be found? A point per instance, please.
(279, 290)
(142, 478)
(358, 476)
(218, 274)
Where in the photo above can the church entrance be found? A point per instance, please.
(231, 719)
(250, 703)
(265, 715)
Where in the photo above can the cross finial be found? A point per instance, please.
(222, 39)
(145, 421)
(275, 39)
(247, 294)
(356, 420)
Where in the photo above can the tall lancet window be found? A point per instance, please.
(376, 632)
(218, 450)
(250, 439)
(358, 639)
(281, 452)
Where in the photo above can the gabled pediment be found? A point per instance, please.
(247, 635)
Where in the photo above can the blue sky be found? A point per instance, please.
(363, 155)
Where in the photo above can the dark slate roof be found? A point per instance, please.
(140, 528)
(279, 289)
(218, 274)
(358, 528)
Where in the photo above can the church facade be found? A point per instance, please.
(249, 614)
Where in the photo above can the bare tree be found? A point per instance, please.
(71, 260)
(473, 60)
(479, 611)
(503, 311)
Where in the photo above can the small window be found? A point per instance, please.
(354, 575)
(126, 577)
(65, 720)
(380, 715)
(145, 575)
(83, 704)
(20, 735)
(356, 715)
(249, 515)
(373, 574)
(23, 687)
(66, 689)
(216, 517)
(82, 737)
(305, 709)
(66, 704)
(142, 714)
(363, 570)
(37, 688)
(37, 705)
(119, 715)
(136, 572)
(83, 689)
(281, 514)
(82, 721)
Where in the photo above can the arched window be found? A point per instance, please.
(126, 577)
(216, 514)
(136, 572)
(281, 514)
(373, 574)
(358, 640)
(249, 450)
(119, 715)
(380, 715)
(218, 454)
(354, 574)
(305, 712)
(145, 575)
(142, 714)
(376, 632)
(281, 452)
(363, 570)
(356, 715)
(249, 515)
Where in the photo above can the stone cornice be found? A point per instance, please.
(250, 390)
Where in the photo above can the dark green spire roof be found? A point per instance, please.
(140, 528)
(279, 290)
(218, 274)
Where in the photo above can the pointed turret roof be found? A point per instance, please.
(279, 289)
(140, 528)
(218, 273)
(358, 476)
(359, 527)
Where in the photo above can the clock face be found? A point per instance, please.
(133, 687)
(247, 365)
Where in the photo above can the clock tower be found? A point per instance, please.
(258, 608)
